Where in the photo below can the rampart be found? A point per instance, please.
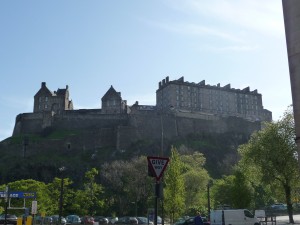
(121, 130)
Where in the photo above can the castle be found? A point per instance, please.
(181, 108)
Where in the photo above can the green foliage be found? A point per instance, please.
(269, 157)
(175, 191)
(195, 179)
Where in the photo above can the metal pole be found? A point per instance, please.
(6, 204)
(162, 154)
(155, 206)
(61, 196)
(208, 202)
(136, 208)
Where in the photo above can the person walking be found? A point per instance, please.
(198, 219)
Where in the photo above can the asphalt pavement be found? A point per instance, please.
(284, 220)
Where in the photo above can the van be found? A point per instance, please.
(233, 217)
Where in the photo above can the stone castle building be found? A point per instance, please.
(56, 102)
(181, 108)
(214, 100)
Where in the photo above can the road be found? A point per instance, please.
(284, 220)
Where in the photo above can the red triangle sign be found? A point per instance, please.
(158, 165)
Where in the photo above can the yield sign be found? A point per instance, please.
(158, 165)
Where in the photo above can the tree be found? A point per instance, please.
(54, 190)
(196, 179)
(174, 190)
(90, 197)
(233, 190)
(270, 156)
(29, 185)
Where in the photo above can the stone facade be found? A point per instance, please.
(56, 102)
(112, 102)
(212, 100)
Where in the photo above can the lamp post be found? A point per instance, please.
(61, 170)
(208, 199)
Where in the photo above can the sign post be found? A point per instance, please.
(157, 166)
(34, 207)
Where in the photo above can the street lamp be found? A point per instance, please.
(209, 184)
(61, 170)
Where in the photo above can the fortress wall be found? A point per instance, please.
(28, 123)
(120, 131)
(88, 121)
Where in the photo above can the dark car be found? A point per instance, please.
(127, 220)
(87, 220)
(159, 219)
(55, 219)
(71, 219)
(144, 220)
(190, 221)
(101, 219)
(10, 219)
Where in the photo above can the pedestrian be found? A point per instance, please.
(198, 219)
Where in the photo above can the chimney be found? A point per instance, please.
(43, 84)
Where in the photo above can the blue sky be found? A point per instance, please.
(134, 44)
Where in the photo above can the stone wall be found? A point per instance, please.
(121, 130)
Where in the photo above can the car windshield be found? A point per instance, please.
(143, 219)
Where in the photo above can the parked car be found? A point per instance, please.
(87, 220)
(10, 219)
(112, 220)
(55, 219)
(101, 219)
(127, 220)
(190, 221)
(73, 219)
(159, 219)
(278, 206)
(143, 220)
(48, 220)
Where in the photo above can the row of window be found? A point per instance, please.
(41, 99)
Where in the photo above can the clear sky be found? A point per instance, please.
(133, 44)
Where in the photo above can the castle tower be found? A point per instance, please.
(47, 101)
(112, 102)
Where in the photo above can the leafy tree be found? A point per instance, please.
(90, 198)
(127, 183)
(270, 156)
(54, 189)
(29, 185)
(174, 191)
(196, 179)
(112, 176)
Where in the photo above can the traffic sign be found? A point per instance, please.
(158, 165)
(17, 194)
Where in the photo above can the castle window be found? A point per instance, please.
(46, 106)
(46, 99)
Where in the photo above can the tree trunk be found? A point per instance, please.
(287, 189)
